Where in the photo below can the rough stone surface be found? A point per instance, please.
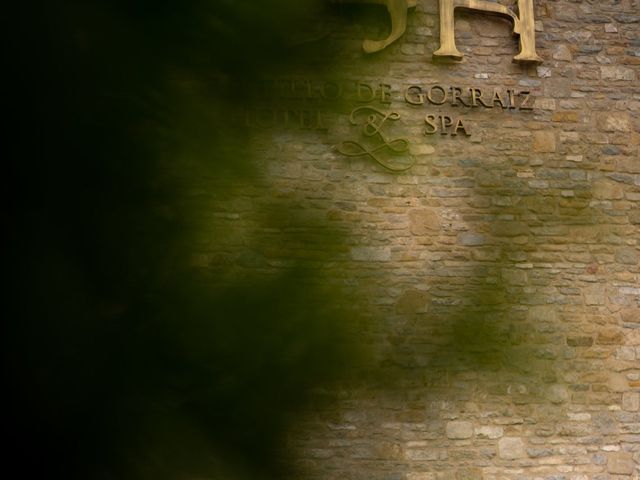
(511, 448)
(620, 463)
(631, 401)
(459, 430)
(492, 288)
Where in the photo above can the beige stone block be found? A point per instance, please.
(618, 382)
(614, 122)
(543, 313)
(615, 72)
(459, 430)
(471, 239)
(487, 431)
(558, 394)
(630, 315)
(509, 229)
(545, 103)
(421, 149)
(620, 463)
(511, 448)
(631, 401)
(628, 256)
(423, 476)
(423, 222)
(412, 301)
(562, 52)
(607, 190)
(565, 117)
(469, 474)
(609, 336)
(371, 254)
(544, 142)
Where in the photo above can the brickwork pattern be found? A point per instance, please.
(498, 278)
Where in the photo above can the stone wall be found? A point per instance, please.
(496, 281)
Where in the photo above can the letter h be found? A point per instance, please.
(523, 25)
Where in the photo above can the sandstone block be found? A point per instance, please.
(470, 239)
(631, 315)
(544, 142)
(459, 430)
(607, 190)
(618, 382)
(423, 222)
(509, 229)
(620, 463)
(558, 394)
(412, 301)
(565, 117)
(628, 256)
(562, 52)
(609, 336)
(489, 432)
(631, 401)
(469, 474)
(511, 448)
(611, 72)
(371, 254)
(579, 341)
(543, 313)
(615, 122)
(422, 476)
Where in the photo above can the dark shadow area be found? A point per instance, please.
(123, 361)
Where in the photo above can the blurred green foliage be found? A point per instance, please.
(122, 361)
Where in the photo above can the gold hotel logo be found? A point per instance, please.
(523, 25)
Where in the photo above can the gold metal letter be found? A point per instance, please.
(413, 95)
(429, 120)
(446, 121)
(460, 126)
(523, 25)
(397, 11)
(443, 92)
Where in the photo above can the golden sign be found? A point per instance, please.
(372, 129)
(523, 25)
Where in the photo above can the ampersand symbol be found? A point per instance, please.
(372, 128)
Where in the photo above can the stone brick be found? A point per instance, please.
(459, 430)
(618, 382)
(489, 432)
(579, 341)
(423, 476)
(617, 73)
(423, 222)
(562, 52)
(511, 448)
(469, 474)
(565, 117)
(609, 336)
(631, 401)
(631, 315)
(371, 254)
(544, 142)
(471, 239)
(628, 256)
(509, 229)
(558, 394)
(615, 122)
(607, 190)
(412, 301)
(620, 463)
